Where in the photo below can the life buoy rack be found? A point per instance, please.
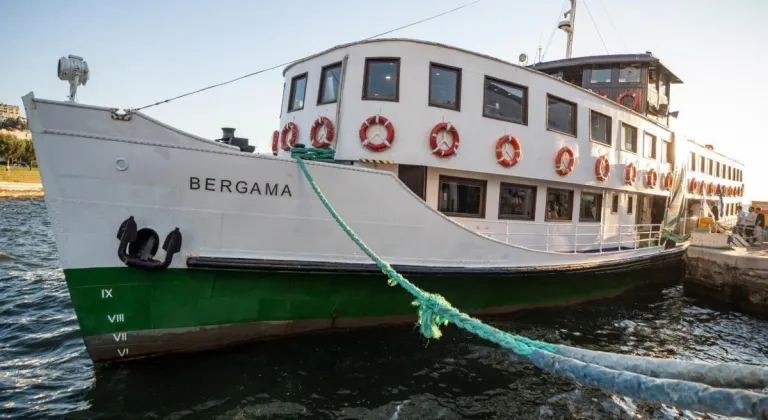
(329, 132)
(437, 129)
(275, 142)
(635, 99)
(386, 142)
(692, 185)
(630, 174)
(564, 169)
(602, 168)
(667, 182)
(508, 161)
(651, 178)
(288, 136)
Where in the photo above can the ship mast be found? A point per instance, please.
(567, 26)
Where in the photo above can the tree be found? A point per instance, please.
(11, 148)
(28, 154)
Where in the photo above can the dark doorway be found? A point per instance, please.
(415, 177)
(658, 207)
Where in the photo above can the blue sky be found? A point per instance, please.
(142, 51)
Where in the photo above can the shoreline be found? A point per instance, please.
(21, 190)
(21, 194)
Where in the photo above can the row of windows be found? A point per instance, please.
(720, 170)
(502, 100)
(629, 73)
(460, 197)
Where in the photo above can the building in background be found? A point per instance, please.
(9, 111)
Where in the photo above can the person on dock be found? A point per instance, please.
(749, 225)
(759, 225)
(740, 220)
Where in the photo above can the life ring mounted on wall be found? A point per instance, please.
(635, 99)
(435, 145)
(692, 185)
(651, 178)
(602, 168)
(288, 136)
(505, 159)
(275, 142)
(327, 138)
(667, 182)
(565, 160)
(386, 142)
(630, 174)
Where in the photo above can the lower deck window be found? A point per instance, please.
(559, 205)
(517, 201)
(462, 197)
(591, 204)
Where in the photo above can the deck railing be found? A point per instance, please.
(561, 237)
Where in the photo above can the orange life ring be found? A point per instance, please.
(288, 142)
(651, 178)
(507, 161)
(275, 142)
(601, 93)
(386, 142)
(692, 185)
(602, 168)
(710, 189)
(668, 180)
(437, 129)
(702, 187)
(741, 191)
(326, 141)
(635, 99)
(630, 174)
(718, 189)
(561, 169)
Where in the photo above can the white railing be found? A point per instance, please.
(562, 237)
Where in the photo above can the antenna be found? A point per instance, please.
(567, 27)
(74, 70)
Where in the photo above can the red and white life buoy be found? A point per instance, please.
(710, 189)
(667, 182)
(635, 99)
(505, 159)
(435, 145)
(563, 168)
(602, 168)
(692, 185)
(718, 189)
(702, 187)
(288, 136)
(630, 174)
(275, 142)
(601, 93)
(386, 142)
(324, 141)
(651, 178)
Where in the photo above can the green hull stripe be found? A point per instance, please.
(109, 300)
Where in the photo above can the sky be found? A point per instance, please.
(143, 51)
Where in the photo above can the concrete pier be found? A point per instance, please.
(735, 278)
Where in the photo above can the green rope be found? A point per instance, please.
(666, 234)
(433, 310)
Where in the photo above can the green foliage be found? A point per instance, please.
(13, 124)
(14, 149)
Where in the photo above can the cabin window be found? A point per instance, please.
(462, 197)
(561, 115)
(444, 86)
(666, 151)
(730, 173)
(702, 164)
(600, 128)
(649, 146)
(614, 203)
(693, 162)
(601, 75)
(717, 170)
(382, 79)
(330, 79)
(591, 204)
(629, 74)
(298, 89)
(505, 101)
(559, 205)
(630, 203)
(517, 201)
(710, 167)
(629, 137)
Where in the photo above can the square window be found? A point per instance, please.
(601, 76)
(505, 101)
(629, 137)
(559, 205)
(649, 146)
(330, 80)
(666, 151)
(444, 86)
(517, 201)
(298, 89)
(462, 197)
(600, 128)
(561, 115)
(629, 74)
(382, 79)
(590, 207)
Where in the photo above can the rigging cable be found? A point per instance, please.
(299, 59)
(621, 39)
(595, 25)
(554, 28)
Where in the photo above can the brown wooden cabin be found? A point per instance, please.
(621, 78)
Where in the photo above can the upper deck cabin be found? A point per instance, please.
(639, 82)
